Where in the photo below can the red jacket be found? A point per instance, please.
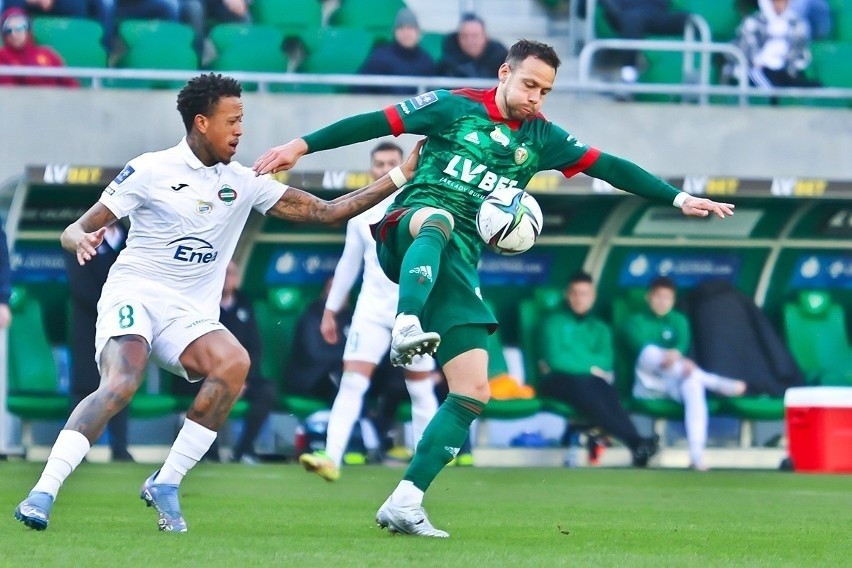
(32, 55)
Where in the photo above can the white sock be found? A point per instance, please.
(344, 412)
(191, 444)
(695, 418)
(407, 495)
(369, 434)
(424, 405)
(68, 451)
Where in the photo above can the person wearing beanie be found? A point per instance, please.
(403, 56)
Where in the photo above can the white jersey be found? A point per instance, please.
(378, 298)
(185, 221)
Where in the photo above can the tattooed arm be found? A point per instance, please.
(84, 235)
(299, 205)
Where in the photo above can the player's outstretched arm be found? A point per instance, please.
(626, 175)
(85, 235)
(298, 205)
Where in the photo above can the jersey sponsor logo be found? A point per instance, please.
(499, 136)
(403, 106)
(203, 207)
(425, 272)
(473, 138)
(227, 195)
(423, 100)
(469, 172)
(194, 250)
(179, 186)
(124, 174)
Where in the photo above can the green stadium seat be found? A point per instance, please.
(843, 21)
(244, 47)
(721, 16)
(77, 40)
(295, 19)
(136, 32)
(815, 328)
(33, 389)
(337, 51)
(433, 43)
(831, 63)
(154, 54)
(373, 16)
(505, 409)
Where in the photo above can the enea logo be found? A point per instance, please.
(194, 250)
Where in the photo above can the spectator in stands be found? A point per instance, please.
(659, 337)
(403, 56)
(237, 315)
(203, 14)
(469, 52)
(317, 365)
(577, 360)
(817, 14)
(636, 19)
(85, 283)
(775, 42)
(19, 49)
(67, 8)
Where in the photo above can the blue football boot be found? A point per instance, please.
(34, 511)
(164, 498)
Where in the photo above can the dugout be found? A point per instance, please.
(788, 235)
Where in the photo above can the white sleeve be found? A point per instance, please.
(348, 267)
(128, 191)
(267, 193)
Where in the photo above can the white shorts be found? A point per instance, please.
(369, 341)
(164, 318)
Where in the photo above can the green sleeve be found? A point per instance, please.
(627, 176)
(635, 333)
(561, 151)
(606, 356)
(424, 114)
(348, 131)
(683, 334)
(550, 340)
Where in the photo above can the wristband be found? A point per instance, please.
(680, 198)
(397, 177)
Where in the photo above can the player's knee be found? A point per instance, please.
(118, 391)
(234, 363)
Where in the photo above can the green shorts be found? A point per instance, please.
(455, 298)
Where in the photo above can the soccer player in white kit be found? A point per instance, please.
(187, 206)
(369, 333)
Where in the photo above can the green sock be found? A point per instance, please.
(419, 269)
(442, 439)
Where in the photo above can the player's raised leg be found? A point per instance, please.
(467, 376)
(123, 363)
(431, 229)
(224, 363)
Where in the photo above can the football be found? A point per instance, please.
(509, 221)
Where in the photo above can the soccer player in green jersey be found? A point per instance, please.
(478, 141)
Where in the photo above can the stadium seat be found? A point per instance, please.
(152, 405)
(136, 32)
(373, 16)
(295, 19)
(433, 43)
(843, 21)
(721, 16)
(33, 378)
(506, 408)
(154, 54)
(338, 51)
(77, 40)
(816, 333)
(831, 63)
(244, 47)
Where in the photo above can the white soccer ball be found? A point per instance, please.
(509, 220)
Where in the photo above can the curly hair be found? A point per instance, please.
(201, 94)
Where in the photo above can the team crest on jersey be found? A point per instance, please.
(521, 155)
(227, 195)
(203, 207)
(124, 174)
(498, 136)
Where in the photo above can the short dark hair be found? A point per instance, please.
(201, 94)
(580, 276)
(384, 147)
(471, 17)
(662, 282)
(529, 48)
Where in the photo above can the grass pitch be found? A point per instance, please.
(277, 515)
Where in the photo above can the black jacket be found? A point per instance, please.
(393, 59)
(456, 63)
(313, 359)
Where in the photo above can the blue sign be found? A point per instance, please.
(823, 271)
(31, 264)
(301, 267)
(528, 269)
(686, 269)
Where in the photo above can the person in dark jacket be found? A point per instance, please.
(402, 56)
(316, 365)
(85, 283)
(469, 52)
(5, 281)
